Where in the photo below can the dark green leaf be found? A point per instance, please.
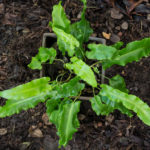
(118, 82)
(118, 45)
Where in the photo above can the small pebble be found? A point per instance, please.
(124, 25)
(114, 38)
(115, 14)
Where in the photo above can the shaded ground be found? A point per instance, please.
(22, 24)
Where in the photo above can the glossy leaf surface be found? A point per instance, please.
(134, 51)
(100, 52)
(66, 42)
(66, 121)
(99, 107)
(59, 18)
(118, 82)
(35, 64)
(25, 96)
(131, 102)
(46, 54)
(82, 70)
(43, 56)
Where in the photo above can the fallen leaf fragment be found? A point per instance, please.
(35, 132)
(46, 119)
(3, 131)
(106, 35)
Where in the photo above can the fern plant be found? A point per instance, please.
(62, 98)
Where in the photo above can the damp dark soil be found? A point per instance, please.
(22, 24)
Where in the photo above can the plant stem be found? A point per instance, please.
(95, 63)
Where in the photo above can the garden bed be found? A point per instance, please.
(21, 31)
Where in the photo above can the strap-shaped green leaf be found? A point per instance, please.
(66, 42)
(103, 106)
(66, 121)
(59, 18)
(131, 102)
(43, 55)
(82, 70)
(134, 51)
(25, 96)
(118, 82)
(100, 51)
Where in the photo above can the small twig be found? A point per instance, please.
(83, 98)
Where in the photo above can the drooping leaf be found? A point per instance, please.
(131, 102)
(99, 107)
(82, 70)
(118, 82)
(59, 18)
(25, 96)
(66, 42)
(35, 64)
(134, 51)
(100, 52)
(66, 121)
(43, 56)
(118, 45)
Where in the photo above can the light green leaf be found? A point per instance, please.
(118, 82)
(66, 42)
(134, 51)
(82, 70)
(99, 107)
(43, 55)
(59, 18)
(35, 64)
(131, 102)
(46, 54)
(66, 121)
(25, 96)
(100, 52)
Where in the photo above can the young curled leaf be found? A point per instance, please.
(100, 52)
(82, 70)
(131, 102)
(66, 42)
(43, 56)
